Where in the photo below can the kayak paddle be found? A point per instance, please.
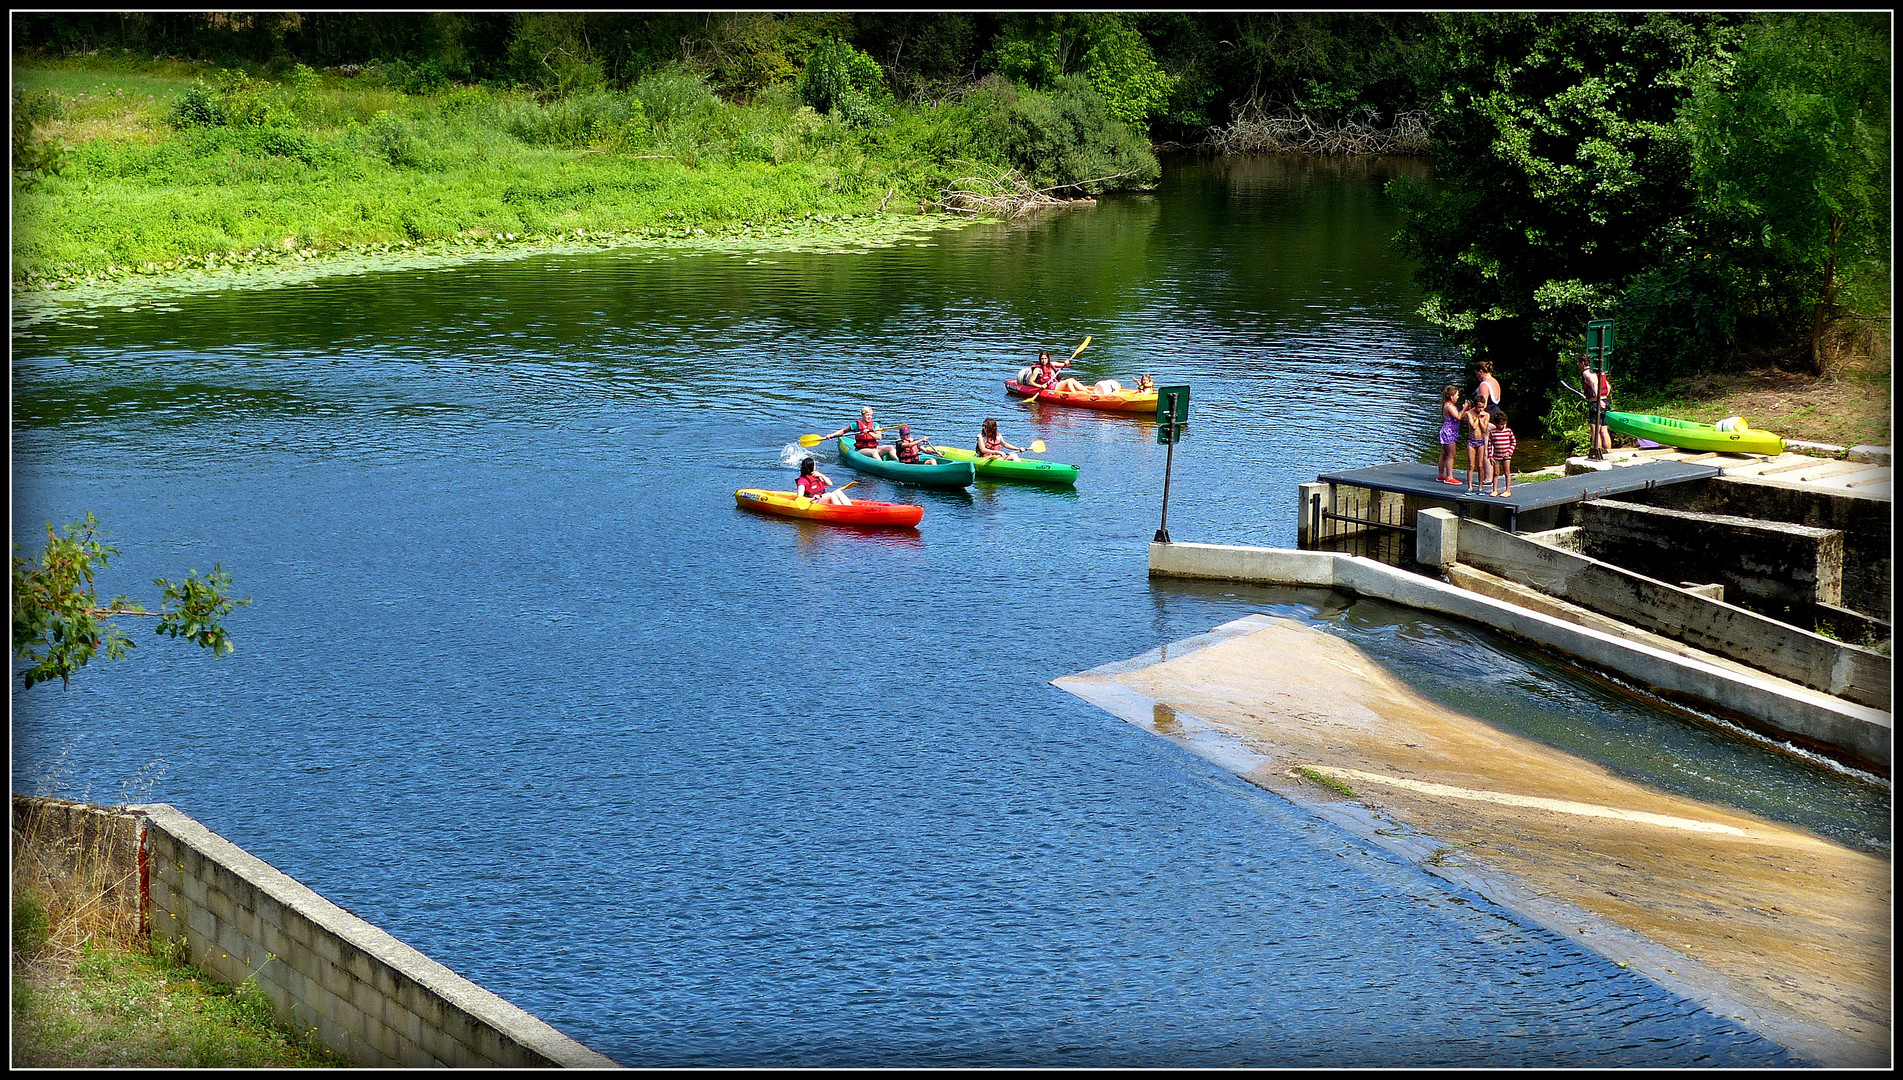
(1080, 347)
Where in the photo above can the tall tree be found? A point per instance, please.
(1560, 168)
(1790, 142)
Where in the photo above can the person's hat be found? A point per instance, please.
(905, 429)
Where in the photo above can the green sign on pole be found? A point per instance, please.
(1172, 413)
(1172, 420)
(1599, 344)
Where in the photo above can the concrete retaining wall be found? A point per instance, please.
(1862, 675)
(1772, 563)
(1863, 519)
(370, 997)
(1775, 705)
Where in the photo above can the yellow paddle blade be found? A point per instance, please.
(812, 440)
(802, 502)
(1037, 446)
(1080, 347)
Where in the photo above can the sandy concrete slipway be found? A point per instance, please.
(1784, 931)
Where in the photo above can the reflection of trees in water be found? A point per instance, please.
(1250, 173)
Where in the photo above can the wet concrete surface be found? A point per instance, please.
(1787, 931)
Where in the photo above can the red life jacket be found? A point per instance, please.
(867, 436)
(811, 485)
(1605, 387)
(908, 452)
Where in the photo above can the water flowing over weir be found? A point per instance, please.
(524, 688)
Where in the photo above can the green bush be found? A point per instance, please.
(674, 96)
(247, 102)
(196, 108)
(1070, 139)
(31, 925)
(393, 139)
(570, 122)
(35, 156)
(424, 77)
(841, 79)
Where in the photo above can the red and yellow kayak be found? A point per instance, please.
(1121, 401)
(865, 514)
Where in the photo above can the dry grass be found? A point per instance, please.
(1849, 405)
(89, 991)
(79, 865)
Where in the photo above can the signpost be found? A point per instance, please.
(1172, 419)
(1599, 345)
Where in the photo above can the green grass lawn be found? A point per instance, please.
(121, 1009)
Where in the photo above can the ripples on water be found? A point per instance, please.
(523, 686)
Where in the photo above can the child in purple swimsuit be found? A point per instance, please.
(1474, 419)
(1449, 432)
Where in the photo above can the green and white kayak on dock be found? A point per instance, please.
(1687, 435)
(1028, 470)
(945, 474)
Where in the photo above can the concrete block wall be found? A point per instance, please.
(1865, 521)
(1789, 652)
(1765, 562)
(368, 996)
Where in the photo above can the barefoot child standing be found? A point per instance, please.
(1473, 421)
(1449, 432)
(1500, 443)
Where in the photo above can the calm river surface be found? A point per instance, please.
(522, 685)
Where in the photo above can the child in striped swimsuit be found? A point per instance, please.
(1500, 443)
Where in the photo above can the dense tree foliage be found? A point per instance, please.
(1790, 139)
(59, 624)
(1560, 170)
(1711, 181)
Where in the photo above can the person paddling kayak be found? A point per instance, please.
(865, 437)
(812, 484)
(992, 445)
(909, 448)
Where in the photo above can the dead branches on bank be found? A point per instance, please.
(1256, 131)
(1007, 194)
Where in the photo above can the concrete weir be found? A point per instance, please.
(1785, 932)
(1777, 705)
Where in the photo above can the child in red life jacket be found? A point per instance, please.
(812, 484)
(992, 445)
(908, 448)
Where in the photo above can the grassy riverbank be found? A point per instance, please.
(168, 167)
(362, 166)
(112, 1007)
(87, 991)
(1849, 405)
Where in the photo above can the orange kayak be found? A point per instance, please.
(867, 514)
(1121, 401)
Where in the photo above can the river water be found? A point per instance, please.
(524, 687)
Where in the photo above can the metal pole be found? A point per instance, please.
(1169, 459)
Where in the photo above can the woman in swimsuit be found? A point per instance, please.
(1487, 388)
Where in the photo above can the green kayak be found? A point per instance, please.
(1029, 470)
(1687, 435)
(945, 474)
